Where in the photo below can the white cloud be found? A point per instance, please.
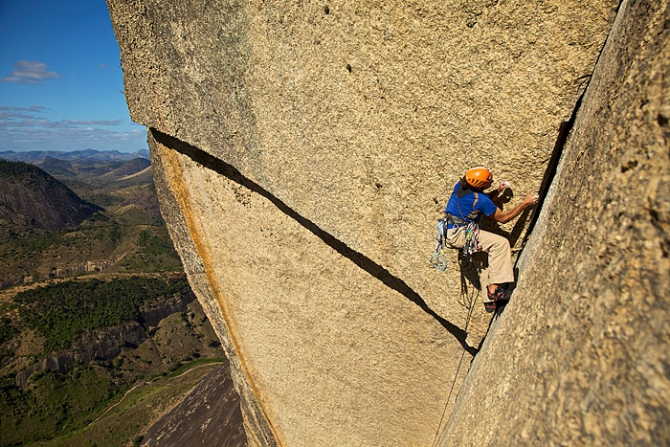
(22, 128)
(23, 109)
(93, 123)
(30, 72)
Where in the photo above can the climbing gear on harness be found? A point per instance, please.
(439, 260)
(450, 222)
(453, 221)
(479, 177)
(471, 245)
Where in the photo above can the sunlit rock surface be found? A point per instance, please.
(303, 152)
(580, 356)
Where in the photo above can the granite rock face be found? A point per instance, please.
(580, 356)
(302, 153)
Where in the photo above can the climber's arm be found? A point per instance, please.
(506, 216)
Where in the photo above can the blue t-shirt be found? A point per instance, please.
(465, 207)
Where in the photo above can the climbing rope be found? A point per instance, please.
(460, 363)
(470, 247)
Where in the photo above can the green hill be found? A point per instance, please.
(29, 196)
(132, 167)
(106, 219)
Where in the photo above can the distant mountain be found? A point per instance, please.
(92, 154)
(31, 197)
(54, 166)
(132, 167)
(86, 169)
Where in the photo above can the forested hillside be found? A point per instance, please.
(96, 315)
(48, 231)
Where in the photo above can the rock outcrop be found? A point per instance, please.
(302, 153)
(108, 342)
(209, 416)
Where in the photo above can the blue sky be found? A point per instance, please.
(60, 79)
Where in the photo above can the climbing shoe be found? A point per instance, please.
(490, 307)
(500, 295)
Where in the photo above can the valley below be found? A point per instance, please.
(100, 333)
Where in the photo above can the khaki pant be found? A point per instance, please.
(500, 268)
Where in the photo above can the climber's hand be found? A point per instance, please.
(530, 200)
(504, 185)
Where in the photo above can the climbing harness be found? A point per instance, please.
(471, 245)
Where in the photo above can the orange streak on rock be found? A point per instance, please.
(175, 177)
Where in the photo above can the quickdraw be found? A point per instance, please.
(472, 244)
(439, 259)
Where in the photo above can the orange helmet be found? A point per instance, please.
(479, 177)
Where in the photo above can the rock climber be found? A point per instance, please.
(464, 209)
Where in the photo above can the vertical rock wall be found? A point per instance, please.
(326, 352)
(303, 151)
(580, 356)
